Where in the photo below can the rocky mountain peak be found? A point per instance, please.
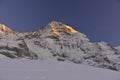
(4, 30)
(57, 41)
(58, 27)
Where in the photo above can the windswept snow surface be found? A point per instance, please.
(52, 70)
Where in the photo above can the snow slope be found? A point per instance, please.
(52, 70)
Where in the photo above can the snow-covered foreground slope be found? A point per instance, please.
(52, 70)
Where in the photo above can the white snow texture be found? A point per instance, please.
(52, 70)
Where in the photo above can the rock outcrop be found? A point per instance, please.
(4, 30)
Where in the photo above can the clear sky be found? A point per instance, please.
(98, 19)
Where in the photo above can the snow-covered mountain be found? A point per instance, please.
(57, 41)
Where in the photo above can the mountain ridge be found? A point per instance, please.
(57, 41)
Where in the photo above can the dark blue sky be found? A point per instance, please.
(98, 19)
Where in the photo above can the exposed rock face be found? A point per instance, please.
(4, 30)
(58, 28)
(57, 41)
(14, 47)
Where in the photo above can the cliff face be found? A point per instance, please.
(57, 41)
